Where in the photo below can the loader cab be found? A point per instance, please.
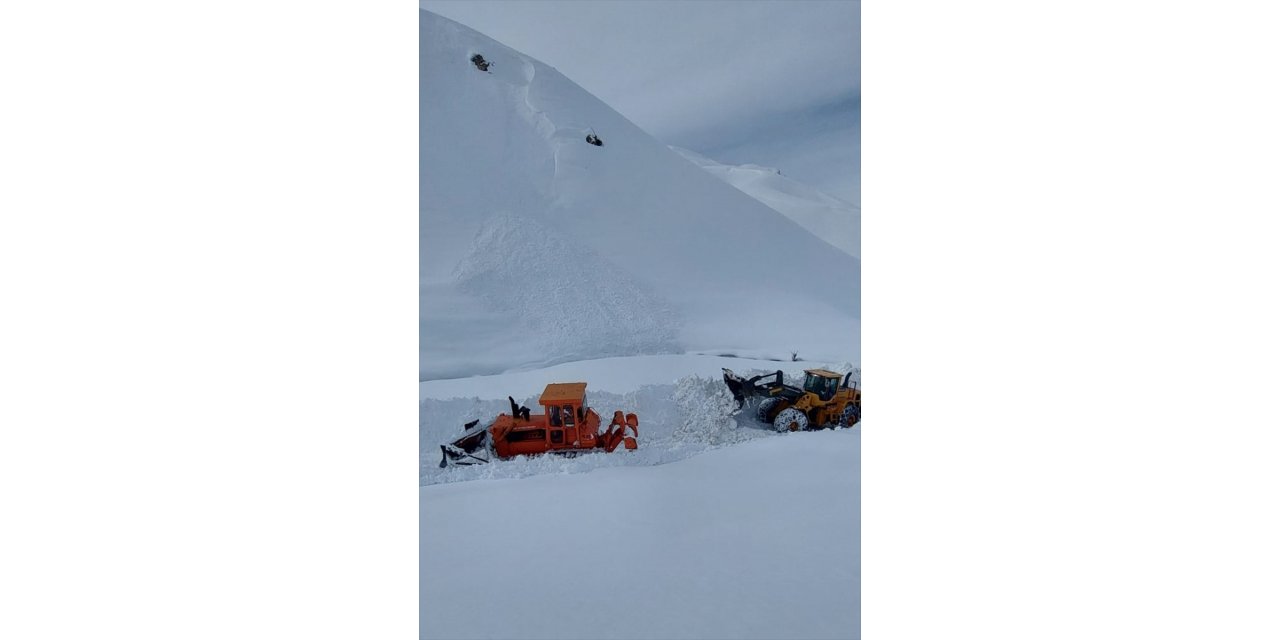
(565, 405)
(821, 383)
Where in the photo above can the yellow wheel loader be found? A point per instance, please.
(823, 403)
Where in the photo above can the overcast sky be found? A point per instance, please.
(769, 83)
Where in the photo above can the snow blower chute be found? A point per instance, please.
(567, 425)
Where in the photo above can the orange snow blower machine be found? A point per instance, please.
(567, 425)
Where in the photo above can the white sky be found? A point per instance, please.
(771, 83)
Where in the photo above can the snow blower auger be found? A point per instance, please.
(567, 426)
(824, 403)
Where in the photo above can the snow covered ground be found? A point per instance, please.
(734, 543)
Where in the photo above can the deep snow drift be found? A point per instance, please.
(622, 249)
(730, 544)
(826, 216)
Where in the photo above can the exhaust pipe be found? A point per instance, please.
(518, 413)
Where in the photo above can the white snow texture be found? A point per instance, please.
(826, 216)
(574, 309)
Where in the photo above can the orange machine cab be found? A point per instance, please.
(566, 423)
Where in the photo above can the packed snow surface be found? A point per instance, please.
(759, 540)
(537, 248)
(826, 216)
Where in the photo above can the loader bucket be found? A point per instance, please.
(735, 383)
(743, 388)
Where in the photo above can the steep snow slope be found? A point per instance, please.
(830, 218)
(547, 295)
(759, 540)
(623, 249)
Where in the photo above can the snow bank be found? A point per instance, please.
(615, 374)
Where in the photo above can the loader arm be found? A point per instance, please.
(772, 385)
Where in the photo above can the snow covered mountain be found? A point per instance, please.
(537, 247)
(830, 218)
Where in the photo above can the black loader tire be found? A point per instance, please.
(768, 409)
(790, 419)
(850, 416)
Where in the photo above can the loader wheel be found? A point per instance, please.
(850, 415)
(765, 412)
(790, 419)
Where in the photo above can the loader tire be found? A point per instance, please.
(850, 416)
(790, 419)
(768, 407)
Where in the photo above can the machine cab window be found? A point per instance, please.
(563, 402)
(821, 383)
